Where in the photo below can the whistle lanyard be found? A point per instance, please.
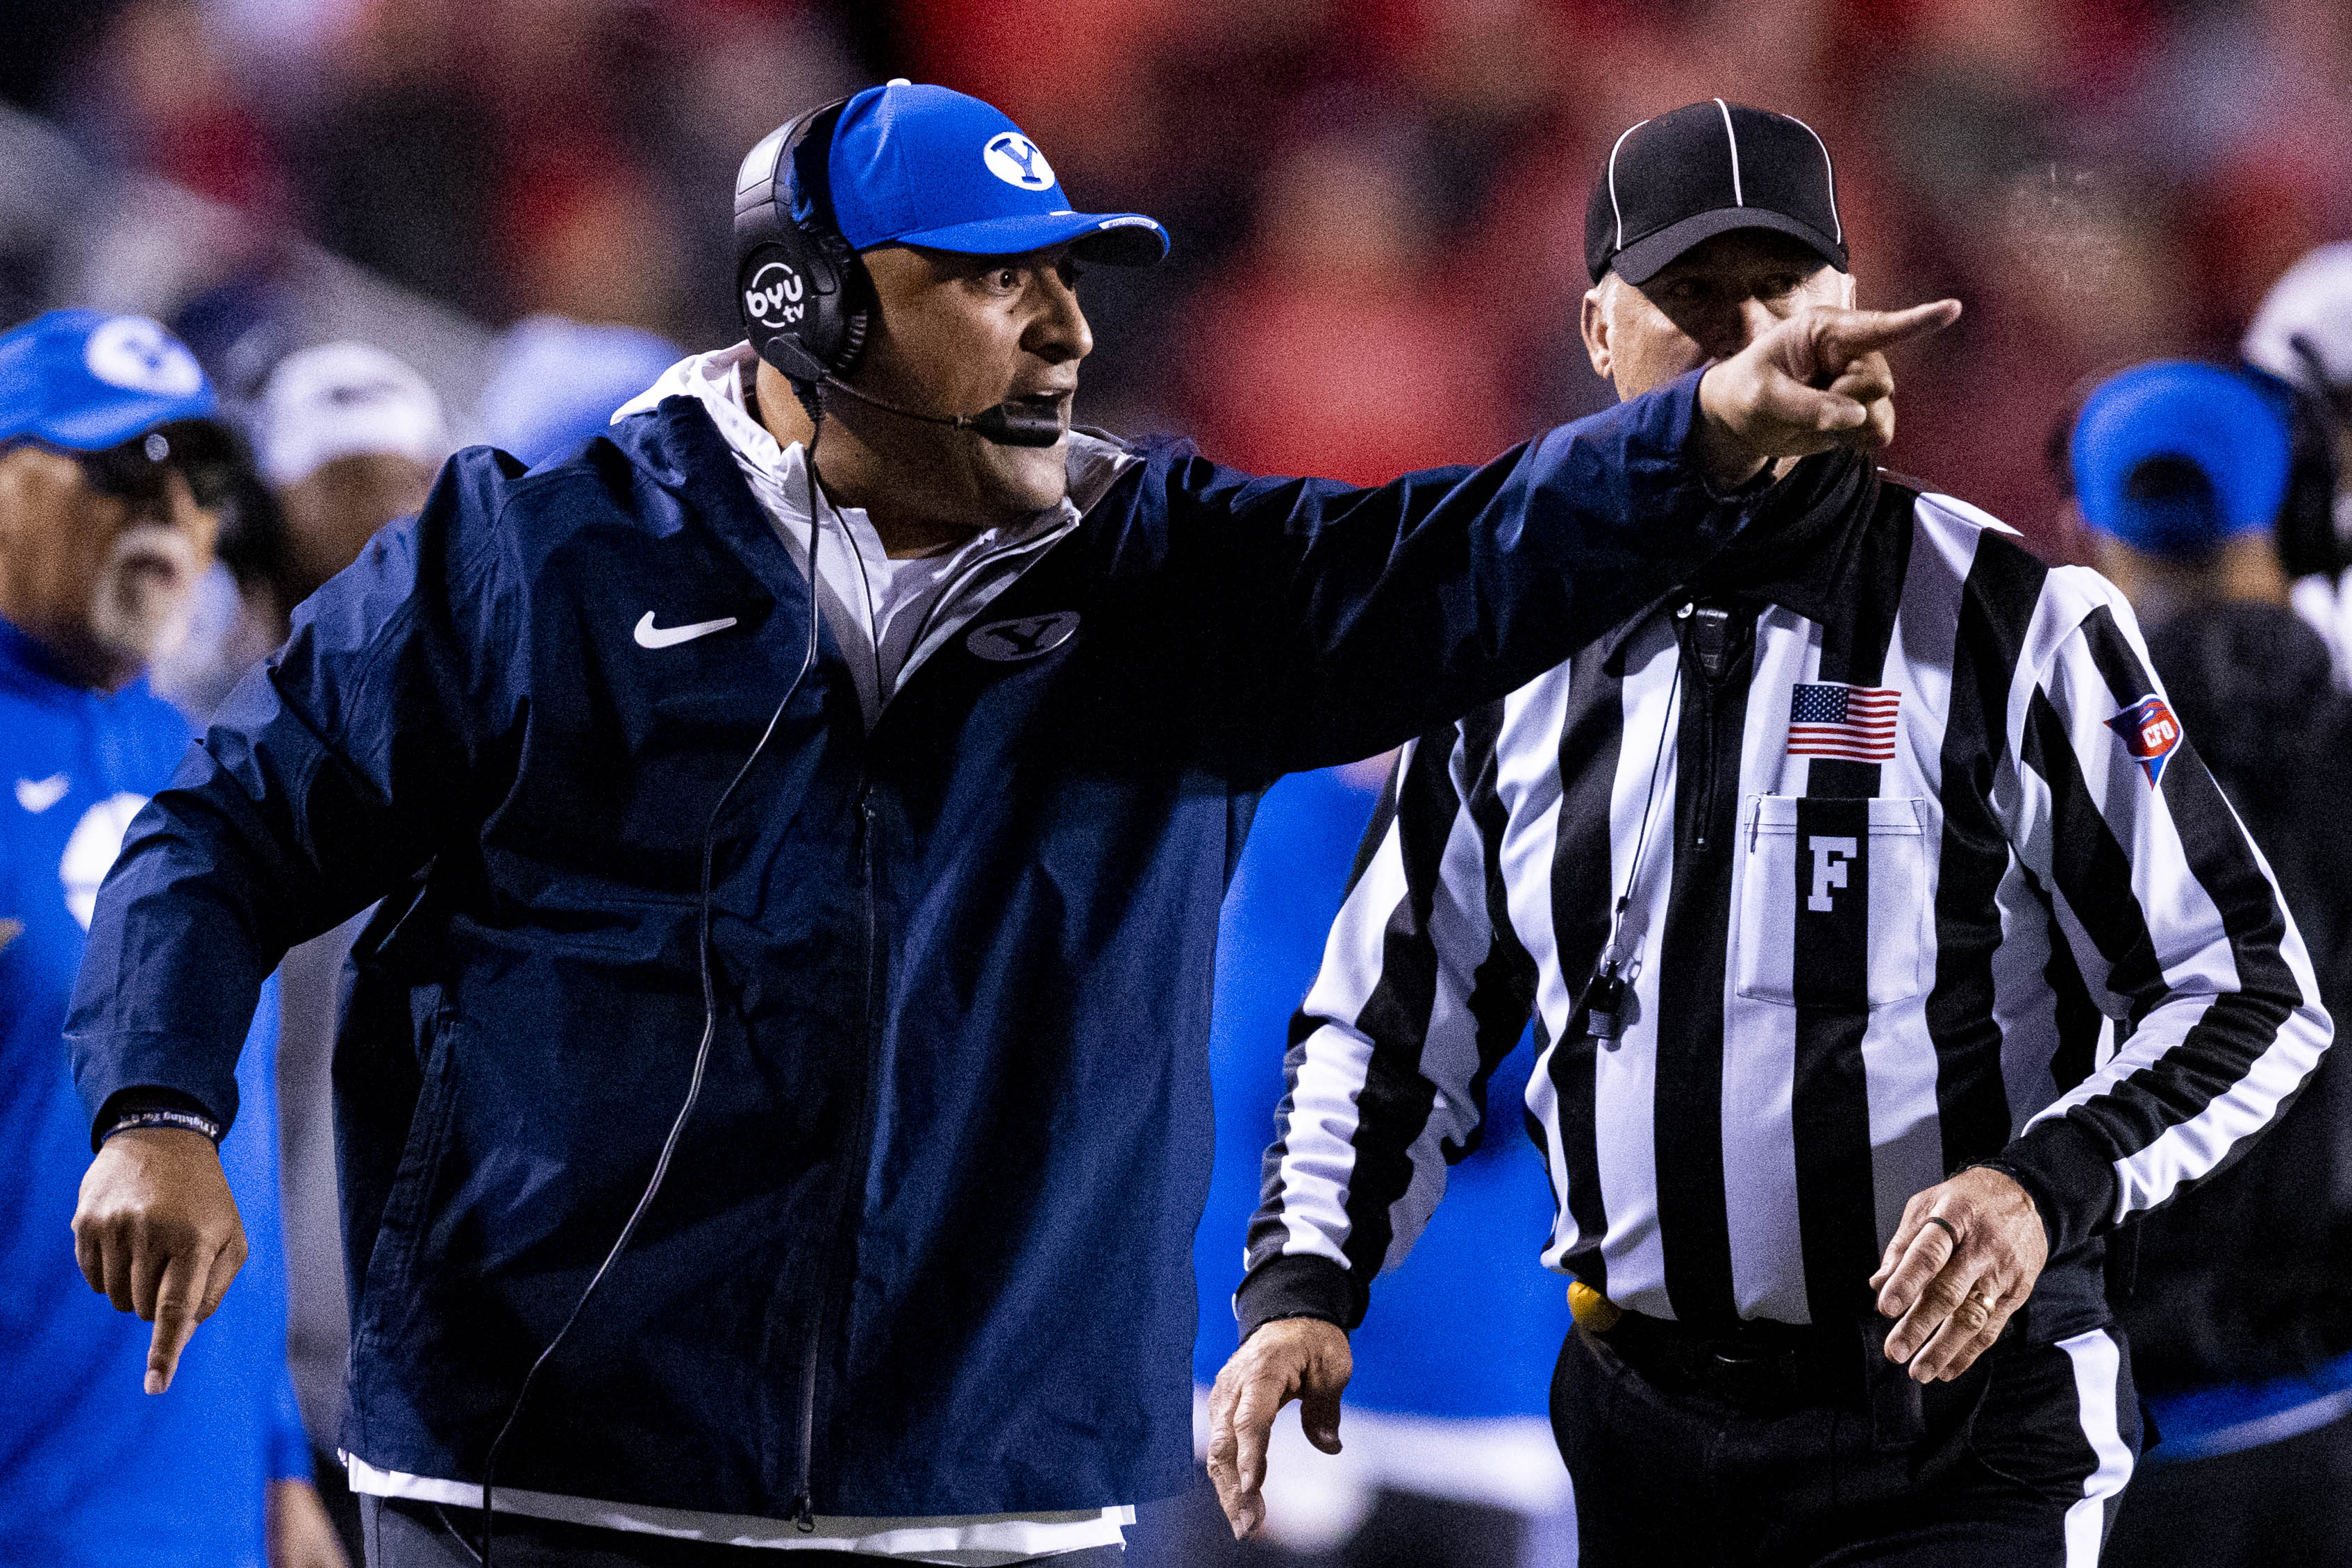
(1607, 993)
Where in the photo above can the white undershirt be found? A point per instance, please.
(887, 617)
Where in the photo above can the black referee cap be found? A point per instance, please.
(1706, 168)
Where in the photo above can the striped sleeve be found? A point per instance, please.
(2174, 920)
(1424, 990)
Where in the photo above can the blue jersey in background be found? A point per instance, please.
(92, 1470)
(1470, 1325)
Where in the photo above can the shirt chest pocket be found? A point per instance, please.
(1833, 901)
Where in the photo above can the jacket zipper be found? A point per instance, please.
(1711, 639)
(853, 1171)
(851, 1175)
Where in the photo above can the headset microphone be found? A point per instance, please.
(1009, 424)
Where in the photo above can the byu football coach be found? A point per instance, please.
(773, 1097)
(1889, 947)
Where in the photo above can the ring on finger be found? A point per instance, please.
(1947, 1225)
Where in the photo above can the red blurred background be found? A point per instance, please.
(1377, 206)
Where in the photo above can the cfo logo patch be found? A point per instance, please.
(2150, 732)
(1006, 642)
(774, 300)
(1014, 159)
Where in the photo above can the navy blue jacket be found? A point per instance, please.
(926, 1247)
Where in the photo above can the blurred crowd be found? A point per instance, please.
(1376, 204)
(1378, 213)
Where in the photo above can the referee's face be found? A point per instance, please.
(956, 334)
(1708, 303)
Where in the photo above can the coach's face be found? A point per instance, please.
(1708, 303)
(957, 334)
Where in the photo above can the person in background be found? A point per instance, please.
(1450, 1462)
(2301, 337)
(348, 437)
(558, 382)
(111, 476)
(2239, 1306)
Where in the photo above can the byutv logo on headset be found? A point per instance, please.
(774, 298)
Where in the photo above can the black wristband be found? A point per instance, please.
(188, 1120)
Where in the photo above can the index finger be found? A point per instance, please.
(176, 1315)
(1849, 334)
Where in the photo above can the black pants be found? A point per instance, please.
(404, 1534)
(2017, 1463)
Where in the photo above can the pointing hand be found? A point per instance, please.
(158, 1234)
(1818, 380)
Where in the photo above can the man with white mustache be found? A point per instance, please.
(111, 473)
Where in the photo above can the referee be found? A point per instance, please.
(1887, 945)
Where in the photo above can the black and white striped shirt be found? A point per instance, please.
(1987, 905)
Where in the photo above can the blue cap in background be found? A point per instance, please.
(930, 166)
(2218, 433)
(88, 381)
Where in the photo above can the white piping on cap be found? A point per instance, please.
(1829, 166)
(1738, 197)
(1613, 207)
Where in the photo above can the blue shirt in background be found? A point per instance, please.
(1471, 1323)
(93, 1470)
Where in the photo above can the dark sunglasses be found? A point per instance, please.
(139, 470)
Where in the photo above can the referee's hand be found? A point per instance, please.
(1817, 380)
(1304, 1359)
(158, 1234)
(1962, 1262)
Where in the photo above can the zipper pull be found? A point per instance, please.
(805, 1514)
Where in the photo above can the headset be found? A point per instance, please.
(2308, 539)
(806, 301)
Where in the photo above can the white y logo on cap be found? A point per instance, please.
(134, 353)
(1014, 159)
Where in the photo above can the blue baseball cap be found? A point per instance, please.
(930, 166)
(2173, 457)
(87, 381)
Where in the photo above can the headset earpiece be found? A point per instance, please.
(2308, 542)
(801, 291)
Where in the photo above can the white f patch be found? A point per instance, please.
(1832, 853)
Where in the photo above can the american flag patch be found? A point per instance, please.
(1851, 723)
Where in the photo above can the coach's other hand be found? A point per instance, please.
(158, 1234)
(1304, 1359)
(1815, 381)
(1962, 1262)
